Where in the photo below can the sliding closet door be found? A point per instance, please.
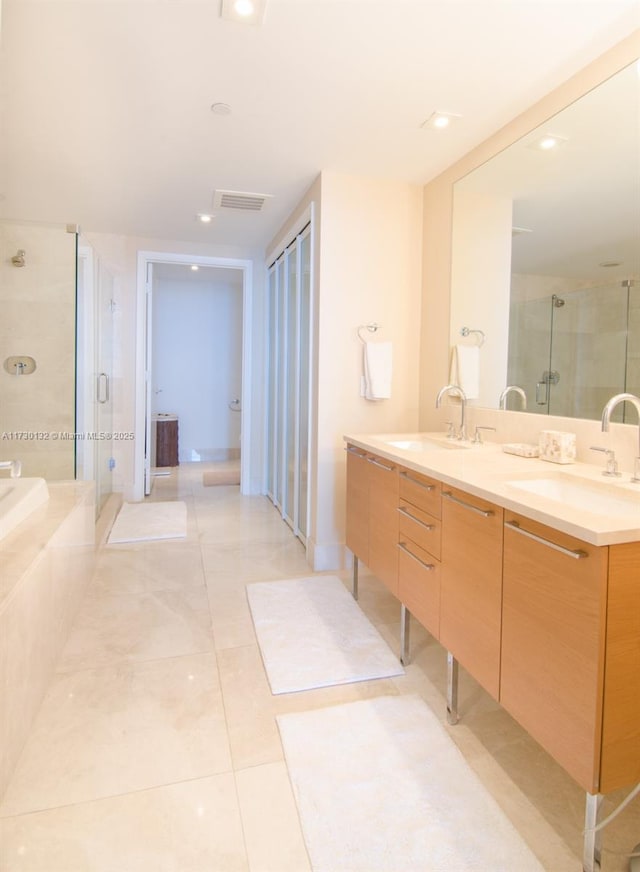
(289, 447)
(288, 382)
(279, 435)
(305, 376)
(271, 382)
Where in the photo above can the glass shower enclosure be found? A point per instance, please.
(572, 352)
(56, 353)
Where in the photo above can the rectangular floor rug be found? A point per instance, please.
(312, 633)
(139, 522)
(381, 787)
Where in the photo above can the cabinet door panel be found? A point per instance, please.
(471, 592)
(421, 491)
(383, 522)
(358, 504)
(419, 585)
(553, 644)
(621, 716)
(419, 527)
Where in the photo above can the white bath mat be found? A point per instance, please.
(381, 787)
(312, 633)
(138, 522)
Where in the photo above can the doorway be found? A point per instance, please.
(186, 360)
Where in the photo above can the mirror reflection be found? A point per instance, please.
(546, 258)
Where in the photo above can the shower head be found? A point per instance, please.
(558, 302)
(18, 259)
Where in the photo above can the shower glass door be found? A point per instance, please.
(588, 350)
(572, 352)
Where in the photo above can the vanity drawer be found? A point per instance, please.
(420, 527)
(419, 585)
(421, 491)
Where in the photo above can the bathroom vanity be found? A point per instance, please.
(528, 574)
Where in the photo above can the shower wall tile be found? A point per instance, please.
(38, 321)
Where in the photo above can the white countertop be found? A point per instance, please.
(488, 472)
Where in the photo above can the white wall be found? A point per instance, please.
(197, 362)
(367, 268)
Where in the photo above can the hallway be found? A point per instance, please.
(156, 748)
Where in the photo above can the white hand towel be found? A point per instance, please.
(465, 369)
(377, 370)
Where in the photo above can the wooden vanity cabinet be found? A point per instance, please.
(571, 651)
(419, 547)
(553, 642)
(471, 587)
(620, 760)
(372, 516)
(383, 521)
(357, 528)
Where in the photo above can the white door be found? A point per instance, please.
(148, 351)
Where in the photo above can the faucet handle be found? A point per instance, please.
(477, 438)
(612, 463)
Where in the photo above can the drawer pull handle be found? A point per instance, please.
(381, 465)
(403, 547)
(351, 450)
(577, 554)
(417, 520)
(486, 513)
(427, 487)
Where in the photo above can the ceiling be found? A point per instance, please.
(106, 117)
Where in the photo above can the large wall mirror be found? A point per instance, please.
(546, 258)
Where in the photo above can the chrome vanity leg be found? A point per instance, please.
(591, 849)
(452, 689)
(355, 578)
(405, 627)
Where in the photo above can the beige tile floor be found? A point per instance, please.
(156, 748)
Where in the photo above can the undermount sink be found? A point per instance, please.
(584, 494)
(425, 444)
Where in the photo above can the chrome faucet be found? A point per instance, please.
(502, 402)
(14, 465)
(457, 391)
(606, 417)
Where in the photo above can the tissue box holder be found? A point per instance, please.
(557, 446)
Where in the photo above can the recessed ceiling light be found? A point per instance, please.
(204, 217)
(221, 109)
(440, 120)
(195, 267)
(245, 11)
(547, 142)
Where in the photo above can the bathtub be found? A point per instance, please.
(46, 563)
(18, 498)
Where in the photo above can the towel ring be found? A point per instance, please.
(372, 328)
(467, 330)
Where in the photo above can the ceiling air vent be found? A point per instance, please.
(240, 200)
